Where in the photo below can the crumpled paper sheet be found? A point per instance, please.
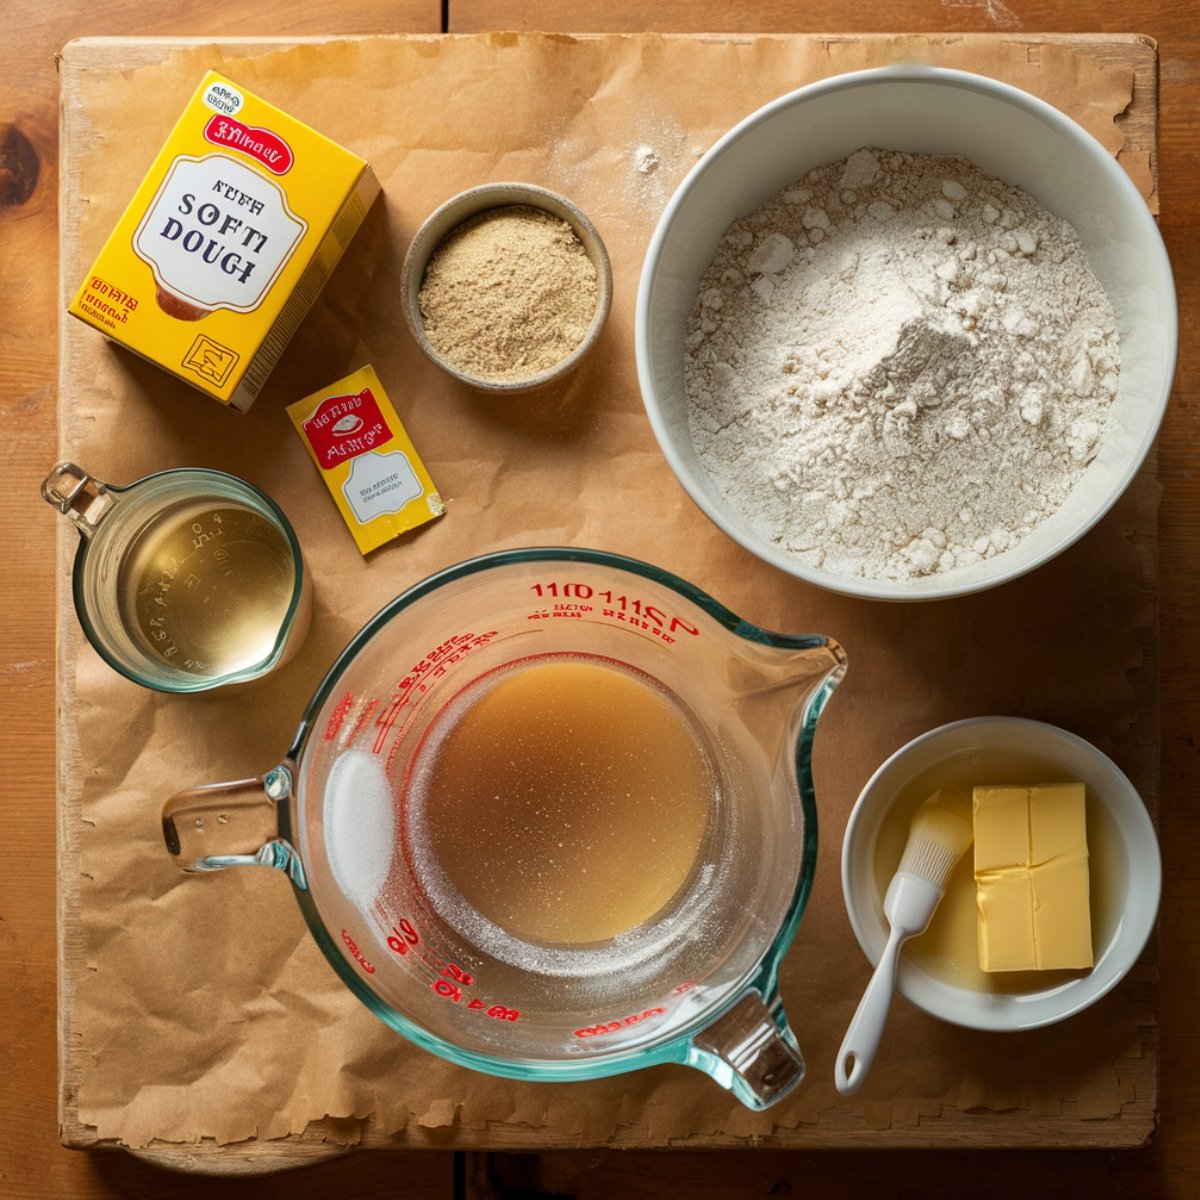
(198, 1007)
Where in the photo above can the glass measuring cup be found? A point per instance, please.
(185, 580)
(696, 981)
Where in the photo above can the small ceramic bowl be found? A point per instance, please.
(1131, 873)
(471, 203)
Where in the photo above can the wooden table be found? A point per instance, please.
(31, 1161)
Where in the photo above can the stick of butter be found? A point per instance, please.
(368, 463)
(1031, 877)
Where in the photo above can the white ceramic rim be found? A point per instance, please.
(1064, 125)
(978, 1010)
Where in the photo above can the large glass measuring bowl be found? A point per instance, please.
(423, 931)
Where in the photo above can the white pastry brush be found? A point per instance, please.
(937, 839)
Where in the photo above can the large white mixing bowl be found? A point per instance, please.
(919, 110)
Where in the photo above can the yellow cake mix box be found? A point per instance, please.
(226, 243)
(364, 455)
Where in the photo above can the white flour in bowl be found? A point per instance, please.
(899, 366)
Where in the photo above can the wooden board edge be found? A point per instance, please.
(1145, 681)
(84, 54)
(1139, 121)
(1129, 1133)
(68, 794)
(1132, 1129)
(111, 53)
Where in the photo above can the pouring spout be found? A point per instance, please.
(779, 687)
(781, 665)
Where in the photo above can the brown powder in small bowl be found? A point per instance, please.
(508, 294)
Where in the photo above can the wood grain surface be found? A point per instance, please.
(32, 1163)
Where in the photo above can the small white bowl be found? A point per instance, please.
(920, 110)
(462, 207)
(951, 753)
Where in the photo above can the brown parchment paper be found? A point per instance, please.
(198, 1007)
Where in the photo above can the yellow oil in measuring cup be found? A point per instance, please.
(563, 799)
(206, 586)
(185, 580)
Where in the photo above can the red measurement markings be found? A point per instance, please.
(421, 674)
(613, 1026)
(402, 937)
(344, 705)
(360, 722)
(638, 623)
(454, 979)
(630, 610)
(566, 591)
(389, 763)
(453, 993)
(498, 1012)
(386, 720)
(352, 946)
(450, 987)
(453, 971)
(444, 987)
(571, 611)
(384, 724)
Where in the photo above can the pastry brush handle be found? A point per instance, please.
(866, 1027)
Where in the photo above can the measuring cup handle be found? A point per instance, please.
(750, 1053)
(78, 495)
(231, 825)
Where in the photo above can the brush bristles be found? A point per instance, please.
(936, 841)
